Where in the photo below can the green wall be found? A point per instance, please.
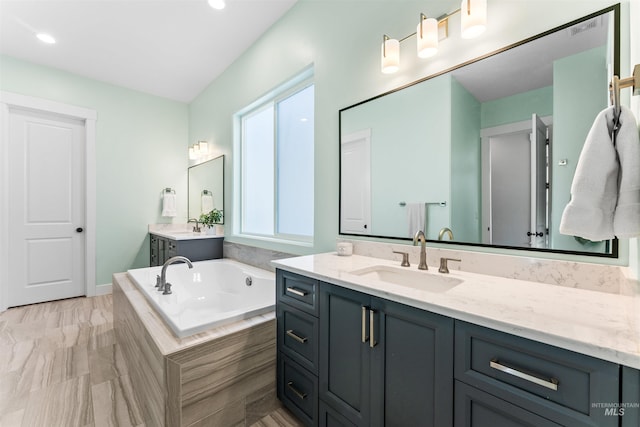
(517, 108)
(140, 149)
(399, 175)
(465, 170)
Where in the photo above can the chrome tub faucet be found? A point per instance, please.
(161, 281)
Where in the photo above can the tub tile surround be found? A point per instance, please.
(579, 275)
(223, 376)
(254, 256)
(598, 324)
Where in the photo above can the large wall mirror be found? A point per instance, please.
(206, 187)
(485, 153)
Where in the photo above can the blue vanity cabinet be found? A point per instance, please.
(383, 363)
(630, 389)
(163, 248)
(297, 343)
(495, 371)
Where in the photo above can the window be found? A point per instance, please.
(276, 146)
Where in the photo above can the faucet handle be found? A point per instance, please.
(167, 289)
(405, 258)
(444, 268)
(158, 281)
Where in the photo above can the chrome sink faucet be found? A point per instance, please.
(419, 236)
(196, 229)
(161, 281)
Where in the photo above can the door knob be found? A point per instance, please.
(79, 229)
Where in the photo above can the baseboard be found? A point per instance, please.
(103, 289)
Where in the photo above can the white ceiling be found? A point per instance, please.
(169, 48)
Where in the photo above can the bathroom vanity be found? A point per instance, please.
(365, 342)
(195, 246)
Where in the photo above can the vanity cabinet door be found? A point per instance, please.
(345, 354)
(412, 366)
(154, 252)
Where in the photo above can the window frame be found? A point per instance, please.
(284, 91)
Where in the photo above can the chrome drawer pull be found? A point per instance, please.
(296, 337)
(298, 393)
(551, 383)
(372, 341)
(297, 292)
(364, 325)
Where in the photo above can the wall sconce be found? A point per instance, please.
(198, 150)
(473, 15)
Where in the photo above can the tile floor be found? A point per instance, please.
(60, 366)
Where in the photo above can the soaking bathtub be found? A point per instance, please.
(211, 294)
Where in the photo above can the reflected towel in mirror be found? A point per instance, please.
(416, 218)
(206, 202)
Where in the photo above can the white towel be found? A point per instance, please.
(206, 202)
(626, 220)
(168, 204)
(416, 218)
(605, 193)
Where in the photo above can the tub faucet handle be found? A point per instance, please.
(167, 289)
(158, 281)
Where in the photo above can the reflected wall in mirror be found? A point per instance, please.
(206, 187)
(487, 150)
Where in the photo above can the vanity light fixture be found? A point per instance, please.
(430, 31)
(199, 150)
(473, 18)
(427, 36)
(217, 4)
(390, 55)
(204, 148)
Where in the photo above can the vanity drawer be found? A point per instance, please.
(541, 378)
(298, 336)
(298, 291)
(298, 389)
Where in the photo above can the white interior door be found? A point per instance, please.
(538, 183)
(355, 187)
(510, 183)
(46, 207)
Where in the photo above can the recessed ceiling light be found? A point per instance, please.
(46, 38)
(217, 4)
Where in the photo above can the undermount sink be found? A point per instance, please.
(416, 279)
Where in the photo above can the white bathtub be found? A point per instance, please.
(210, 294)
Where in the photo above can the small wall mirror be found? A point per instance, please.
(206, 187)
(483, 154)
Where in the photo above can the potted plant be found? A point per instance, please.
(211, 219)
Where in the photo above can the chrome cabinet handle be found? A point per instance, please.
(296, 337)
(298, 393)
(297, 292)
(372, 341)
(364, 325)
(551, 383)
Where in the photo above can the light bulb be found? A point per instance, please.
(217, 4)
(427, 39)
(390, 56)
(473, 18)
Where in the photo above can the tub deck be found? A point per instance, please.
(214, 377)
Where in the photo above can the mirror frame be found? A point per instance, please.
(611, 245)
(221, 156)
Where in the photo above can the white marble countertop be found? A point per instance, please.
(602, 325)
(184, 235)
